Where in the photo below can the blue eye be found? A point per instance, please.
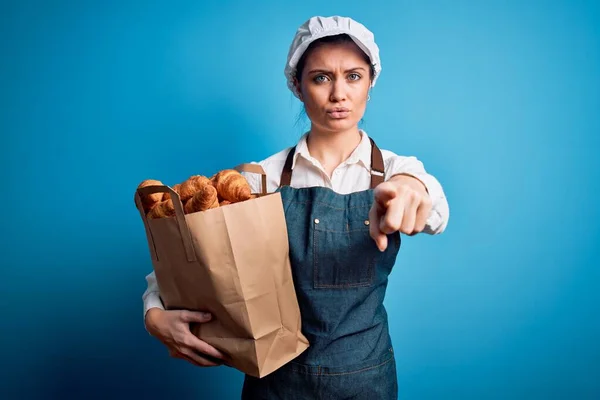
(354, 76)
(319, 78)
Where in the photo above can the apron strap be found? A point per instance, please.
(286, 174)
(377, 167)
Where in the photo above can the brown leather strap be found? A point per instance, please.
(377, 167)
(286, 174)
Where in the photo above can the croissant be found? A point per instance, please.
(162, 209)
(231, 186)
(227, 202)
(167, 196)
(204, 199)
(150, 200)
(191, 186)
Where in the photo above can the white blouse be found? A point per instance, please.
(353, 175)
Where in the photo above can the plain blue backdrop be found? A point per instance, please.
(499, 99)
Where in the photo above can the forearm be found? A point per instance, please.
(151, 319)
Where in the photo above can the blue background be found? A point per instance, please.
(499, 99)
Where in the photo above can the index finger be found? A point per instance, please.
(202, 347)
(375, 229)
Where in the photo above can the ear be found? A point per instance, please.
(298, 89)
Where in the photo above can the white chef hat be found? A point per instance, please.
(319, 27)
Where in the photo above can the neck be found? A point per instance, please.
(332, 149)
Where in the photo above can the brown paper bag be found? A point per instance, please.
(232, 261)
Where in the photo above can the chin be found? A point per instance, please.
(339, 125)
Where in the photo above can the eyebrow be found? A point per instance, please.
(328, 71)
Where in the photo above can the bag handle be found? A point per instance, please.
(179, 217)
(256, 169)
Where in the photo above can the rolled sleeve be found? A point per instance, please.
(253, 179)
(440, 211)
(151, 296)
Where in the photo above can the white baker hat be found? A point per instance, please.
(319, 27)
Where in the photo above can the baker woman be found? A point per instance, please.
(346, 203)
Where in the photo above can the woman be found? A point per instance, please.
(346, 203)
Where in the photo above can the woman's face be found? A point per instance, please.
(334, 86)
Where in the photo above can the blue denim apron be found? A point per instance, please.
(340, 279)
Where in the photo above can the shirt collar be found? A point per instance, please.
(361, 154)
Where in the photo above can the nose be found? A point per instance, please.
(338, 91)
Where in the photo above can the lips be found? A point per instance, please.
(338, 113)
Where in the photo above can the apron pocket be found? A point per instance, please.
(343, 258)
